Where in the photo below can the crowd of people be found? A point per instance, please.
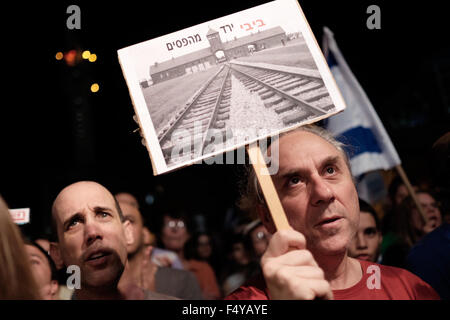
(338, 246)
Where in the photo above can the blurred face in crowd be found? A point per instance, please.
(239, 254)
(260, 238)
(132, 214)
(91, 234)
(174, 234)
(42, 273)
(204, 248)
(401, 194)
(316, 190)
(148, 237)
(124, 197)
(431, 210)
(367, 241)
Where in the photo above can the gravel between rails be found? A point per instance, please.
(248, 115)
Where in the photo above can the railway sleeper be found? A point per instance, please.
(201, 108)
(296, 117)
(269, 94)
(211, 141)
(277, 79)
(286, 107)
(191, 125)
(311, 88)
(190, 147)
(212, 89)
(206, 96)
(178, 137)
(211, 92)
(319, 96)
(225, 104)
(290, 85)
(204, 101)
(253, 86)
(263, 89)
(257, 89)
(321, 103)
(304, 82)
(248, 82)
(198, 117)
(257, 71)
(328, 107)
(270, 73)
(248, 86)
(267, 78)
(198, 113)
(281, 84)
(224, 116)
(273, 102)
(223, 110)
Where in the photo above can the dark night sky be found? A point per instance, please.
(41, 154)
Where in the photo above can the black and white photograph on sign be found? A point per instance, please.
(228, 82)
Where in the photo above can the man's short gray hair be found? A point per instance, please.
(251, 195)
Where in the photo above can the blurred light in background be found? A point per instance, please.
(95, 87)
(149, 199)
(86, 54)
(71, 57)
(92, 57)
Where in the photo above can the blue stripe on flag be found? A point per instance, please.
(360, 140)
(331, 60)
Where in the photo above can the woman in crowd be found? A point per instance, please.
(16, 278)
(410, 226)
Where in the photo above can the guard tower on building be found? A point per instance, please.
(216, 45)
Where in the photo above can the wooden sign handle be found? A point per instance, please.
(268, 188)
(411, 191)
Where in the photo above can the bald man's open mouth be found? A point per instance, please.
(97, 256)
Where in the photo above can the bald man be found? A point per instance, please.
(93, 235)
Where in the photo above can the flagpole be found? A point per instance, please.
(411, 191)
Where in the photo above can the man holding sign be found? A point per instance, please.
(309, 260)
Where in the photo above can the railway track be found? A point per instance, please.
(189, 131)
(292, 93)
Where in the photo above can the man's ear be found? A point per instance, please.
(266, 218)
(55, 254)
(129, 238)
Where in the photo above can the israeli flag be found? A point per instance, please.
(358, 126)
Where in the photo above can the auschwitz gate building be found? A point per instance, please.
(218, 52)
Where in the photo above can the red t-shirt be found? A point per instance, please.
(377, 283)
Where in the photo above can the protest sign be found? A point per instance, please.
(227, 83)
